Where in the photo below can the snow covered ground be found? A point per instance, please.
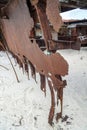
(23, 105)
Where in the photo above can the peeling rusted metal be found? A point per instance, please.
(52, 110)
(51, 9)
(16, 31)
(52, 12)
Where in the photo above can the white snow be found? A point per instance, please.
(23, 106)
(74, 14)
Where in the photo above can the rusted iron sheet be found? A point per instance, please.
(51, 9)
(16, 30)
(50, 45)
(52, 12)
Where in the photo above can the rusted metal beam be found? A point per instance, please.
(41, 12)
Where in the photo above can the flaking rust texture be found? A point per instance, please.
(16, 29)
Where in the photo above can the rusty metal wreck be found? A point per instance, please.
(17, 21)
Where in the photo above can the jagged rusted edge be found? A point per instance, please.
(52, 108)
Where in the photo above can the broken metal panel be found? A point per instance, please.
(52, 12)
(43, 19)
(16, 31)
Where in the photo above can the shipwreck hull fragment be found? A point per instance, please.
(16, 31)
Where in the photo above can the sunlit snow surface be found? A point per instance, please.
(23, 106)
(75, 14)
